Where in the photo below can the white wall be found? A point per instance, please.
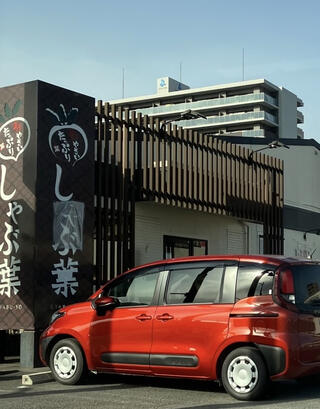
(287, 114)
(301, 175)
(301, 190)
(225, 235)
(300, 245)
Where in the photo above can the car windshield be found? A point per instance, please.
(307, 285)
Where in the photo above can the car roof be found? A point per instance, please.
(258, 258)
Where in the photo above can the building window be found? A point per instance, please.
(183, 247)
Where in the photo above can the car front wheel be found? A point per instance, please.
(67, 362)
(244, 374)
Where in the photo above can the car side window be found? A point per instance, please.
(198, 285)
(254, 279)
(134, 288)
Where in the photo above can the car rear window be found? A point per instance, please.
(306, 284)
(254, 279)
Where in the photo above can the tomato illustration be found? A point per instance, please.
(14, 133)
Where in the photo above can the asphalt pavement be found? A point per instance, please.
(12, 375)
(136, 392)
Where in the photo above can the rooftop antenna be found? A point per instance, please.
(243, 64)
(180, 78)
(122, 82)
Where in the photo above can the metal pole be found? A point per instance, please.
(122, 82)
(243, 64)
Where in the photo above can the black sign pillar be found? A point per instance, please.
(46, 201)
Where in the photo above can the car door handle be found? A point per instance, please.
(164, 317)
(144, 317)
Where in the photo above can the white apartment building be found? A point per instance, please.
(255, 108)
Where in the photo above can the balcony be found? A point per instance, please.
(209, 104)
(300, 117)
(229, 120)
(300, 133)
(260, 133)
(300, 102)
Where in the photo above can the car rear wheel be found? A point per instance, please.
(67, 362)
(244, 374)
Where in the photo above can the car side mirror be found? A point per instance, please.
(103, 304)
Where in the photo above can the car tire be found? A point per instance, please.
(67, 362)
(244, 374)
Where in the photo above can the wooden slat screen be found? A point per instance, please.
(138, 158)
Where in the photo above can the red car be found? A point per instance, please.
(240, 319)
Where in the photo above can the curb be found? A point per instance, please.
(37, 377)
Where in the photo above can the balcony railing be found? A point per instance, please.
(300, 117)
(228, 119)
(208, 104)
(300, 133)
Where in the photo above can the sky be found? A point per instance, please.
(86, 46)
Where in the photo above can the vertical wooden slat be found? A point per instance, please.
(185, 165)
(126, 184)
(131, 175)
(99, 224)
(250, 185)
(281, 195)
(254, 179)
(195, 171)
(210, 173)
(200, 171)
(113, 191)
(220, 178)
(233, 172)
(171, 153)
(229, 176)
(246, 184)
(180, 165)
(163, 164)
(132, 155)
(106, 194)
(215, 175)
(190, 184)
(263, 179)
(258, 185)
(145, 160)
(173, 167)
(237, 173)
(167, 173)
(157, 160)
(224, 175)
(274, 208)
(241, 177)
(205, 172)
(151, 150)
(138, 175)
(119, 209)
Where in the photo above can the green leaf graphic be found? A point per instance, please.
(2, 118)
(16, 107)
(7, 111)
